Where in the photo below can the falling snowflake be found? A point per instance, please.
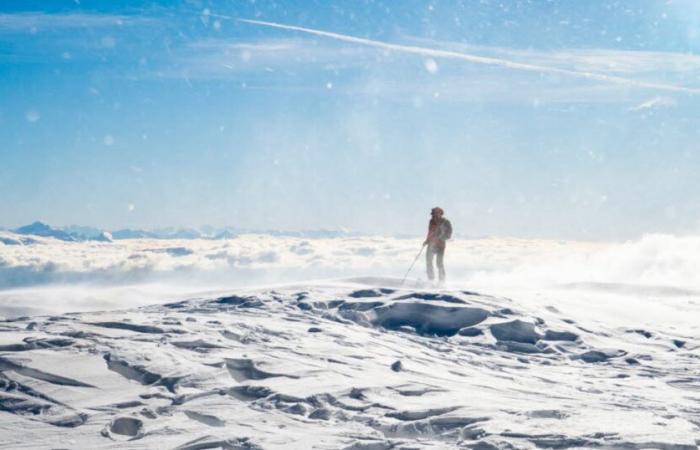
(32, 116)
(430, 65)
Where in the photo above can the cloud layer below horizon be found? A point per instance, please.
(260, 259)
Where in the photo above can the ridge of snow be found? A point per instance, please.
(351, 365)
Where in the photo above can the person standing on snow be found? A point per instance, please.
(439, 231)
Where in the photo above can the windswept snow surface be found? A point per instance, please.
(227, 344)
(357, 364)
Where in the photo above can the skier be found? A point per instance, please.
(439, 231)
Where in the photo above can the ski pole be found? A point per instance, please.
(412, 264)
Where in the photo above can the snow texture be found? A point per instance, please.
(356, 364)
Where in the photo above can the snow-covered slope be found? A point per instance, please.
(358, 364)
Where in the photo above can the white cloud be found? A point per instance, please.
(492, 88)
(387, 70)
(35, 22)
(620, 62)
(226, 58)
(528, 66)
(653, 260)
(656, 102)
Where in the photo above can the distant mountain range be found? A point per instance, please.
(76, 233)
(72, 233)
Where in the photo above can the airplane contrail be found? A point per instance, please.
(448, 54)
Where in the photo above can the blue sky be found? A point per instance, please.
(581, 123)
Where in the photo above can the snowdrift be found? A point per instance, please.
(337, 366)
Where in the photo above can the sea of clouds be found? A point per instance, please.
(93, 275)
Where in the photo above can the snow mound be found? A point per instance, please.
(517, 331)
(343, 366)
(428, 319)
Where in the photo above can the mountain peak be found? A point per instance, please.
(32, 228)
(41, 229)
